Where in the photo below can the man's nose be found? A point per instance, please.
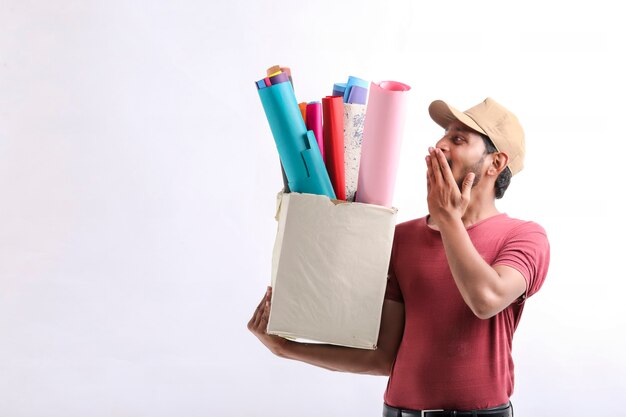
(442, 144)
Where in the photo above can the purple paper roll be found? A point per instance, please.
(357, 95)
(279, 78)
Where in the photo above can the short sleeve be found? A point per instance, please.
(527, 250)
(393, 287)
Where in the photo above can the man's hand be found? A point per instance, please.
(258, 325)
(445, 200)
(336, 358)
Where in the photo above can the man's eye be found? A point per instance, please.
(457, 139)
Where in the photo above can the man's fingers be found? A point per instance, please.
(267, 306)
(432, 161)
(259, 312)
(435, 165)
(446, 172)
(429, 173)
(266, 314)
(262, 302)
(254, 321)
(467, 186)
(254, 318)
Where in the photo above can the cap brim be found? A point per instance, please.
(443, 115)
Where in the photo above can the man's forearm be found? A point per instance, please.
(476, 279)
(337, 358)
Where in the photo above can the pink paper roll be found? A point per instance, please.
(382, 140)
(314, 122)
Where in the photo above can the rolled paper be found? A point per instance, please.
(313, 122)
(281, 77)
(339, 89)
(277, 69)
(287, 71)
(261, 84)
(303, 110)
(267, 81)
(318, 181)
(297, 147)
(357, 95)
(332, 108)
(382, 139)
(353, 122)
(273, 70)
(352, 81)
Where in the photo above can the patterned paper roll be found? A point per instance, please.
(333, 143)
(382, 139)
(353, 122)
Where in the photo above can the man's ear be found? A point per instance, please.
(499, 160)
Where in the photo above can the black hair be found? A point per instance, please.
(504, 179)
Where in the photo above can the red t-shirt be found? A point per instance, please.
(449, 358)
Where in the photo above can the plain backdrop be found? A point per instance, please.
(138, 179)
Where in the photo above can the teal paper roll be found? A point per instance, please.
(297, 147)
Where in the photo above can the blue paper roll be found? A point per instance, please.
(352, 81)
(339, 89)
(297, 147)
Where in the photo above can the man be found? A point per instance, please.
(458, 280)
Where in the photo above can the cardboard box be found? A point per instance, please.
(329, 270)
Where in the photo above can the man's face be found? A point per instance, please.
(464, 150)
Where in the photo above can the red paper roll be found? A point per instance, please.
(332, 107)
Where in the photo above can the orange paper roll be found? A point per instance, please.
(332, 107)
(303, 110)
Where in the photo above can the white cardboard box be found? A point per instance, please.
(329, 270)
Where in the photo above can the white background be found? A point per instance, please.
(138, 178)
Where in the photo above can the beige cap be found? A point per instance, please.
(491, 119)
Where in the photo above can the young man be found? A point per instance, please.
(458, 280)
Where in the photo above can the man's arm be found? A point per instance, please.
(337, 358)
(486, 290)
